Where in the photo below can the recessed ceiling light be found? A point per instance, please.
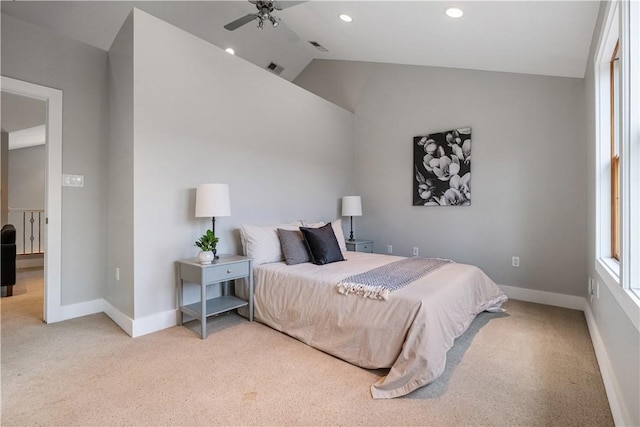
(454, 12)
(346, 18)
(231, 51)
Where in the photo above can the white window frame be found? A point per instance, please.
(604, 51)
(631, 167)
(622, 277)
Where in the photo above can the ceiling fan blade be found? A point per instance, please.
(279, 5)
(288, 32)
(240, 21)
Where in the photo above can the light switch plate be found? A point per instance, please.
(72, 180)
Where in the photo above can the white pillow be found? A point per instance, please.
(261, 242)
(337, 230)
(243, 239)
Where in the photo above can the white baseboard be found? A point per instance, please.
(542, 297)
(620, 416)
(72, 311)
(154, 323)
(121, 319)
(133, 327)
(146, 325)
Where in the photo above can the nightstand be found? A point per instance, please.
(359, 245)
(226, 268)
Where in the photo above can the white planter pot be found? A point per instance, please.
(205, 257)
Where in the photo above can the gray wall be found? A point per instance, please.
(120, 293)
(528, 166)
(27, 177)
(36, 55)
(201, 115)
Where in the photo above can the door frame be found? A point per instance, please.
(53, 190)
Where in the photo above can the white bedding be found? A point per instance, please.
(410, 333)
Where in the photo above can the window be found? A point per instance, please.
(617, 78)
(614, 95)
(608, 81)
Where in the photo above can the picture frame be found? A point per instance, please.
(442, 168)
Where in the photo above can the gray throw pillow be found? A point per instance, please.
(293, 246)
(322, 244)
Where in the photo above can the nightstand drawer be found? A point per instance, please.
(226, 272)
(365, 247)
(360, 245)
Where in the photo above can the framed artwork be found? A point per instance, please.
(442, 168)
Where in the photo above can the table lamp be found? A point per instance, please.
(212, 200)
(351, 206)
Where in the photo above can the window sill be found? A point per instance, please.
(608, 270)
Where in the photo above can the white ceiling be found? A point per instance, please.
(21, 112)
(536, 37)
(23, 119)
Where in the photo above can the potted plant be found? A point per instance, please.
(207, 244)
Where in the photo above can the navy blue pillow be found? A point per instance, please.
(322, 243)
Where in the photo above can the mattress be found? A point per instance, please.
(409, 333)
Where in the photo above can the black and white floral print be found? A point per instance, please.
(442, 167)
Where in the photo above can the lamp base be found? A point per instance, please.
(351, 239)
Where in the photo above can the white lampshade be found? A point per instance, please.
(351, 206)
(212, 200)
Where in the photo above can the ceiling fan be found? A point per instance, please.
(265, 13)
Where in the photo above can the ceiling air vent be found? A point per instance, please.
(275, 68)
(319, 46)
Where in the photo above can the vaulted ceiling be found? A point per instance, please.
(536, 37)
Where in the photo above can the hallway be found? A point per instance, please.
(26, 304)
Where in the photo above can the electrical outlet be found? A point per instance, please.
(515, 261)
(597, 289)
(389, 249)
(72, 180)
(415, 251)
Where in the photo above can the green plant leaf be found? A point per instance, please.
(207, 241)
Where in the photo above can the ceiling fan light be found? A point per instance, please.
(346, 18)
(274, 21)
(454, 12)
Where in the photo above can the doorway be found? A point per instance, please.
(23, 184)
(52, 229)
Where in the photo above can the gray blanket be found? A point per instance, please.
(380, 282)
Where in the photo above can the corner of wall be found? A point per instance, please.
(543, 297)
(119, 261)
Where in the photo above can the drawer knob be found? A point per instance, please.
(229, 271)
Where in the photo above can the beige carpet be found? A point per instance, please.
(533, 366)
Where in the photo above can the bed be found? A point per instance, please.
(409, 333)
